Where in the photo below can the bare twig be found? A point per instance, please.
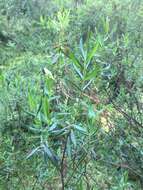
(62, 168)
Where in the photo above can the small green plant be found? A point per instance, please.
(71, 95)
(85, 65)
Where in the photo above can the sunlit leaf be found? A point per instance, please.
(48, 73)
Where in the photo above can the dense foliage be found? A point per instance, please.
(71, 94)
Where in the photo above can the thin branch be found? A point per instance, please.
(62, 169)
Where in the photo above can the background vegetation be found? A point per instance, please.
(71, 94)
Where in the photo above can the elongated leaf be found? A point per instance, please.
(34, 130)
(32, 152)
(52, 127)
(80, 185)
(59, 132)
(75, 61)
(63, 113)
(82, 50)
(31, 101)
(73, 139)
(100, 40)
(54, 98)
(106, 24)
(46, 107)
(87, 84)
(91, 112)
(79, 128)
(92, 74)
(47, 73)
(42, 20)
(42, 118)
(51, 155)
(92, 53)
(78, 71)
(69, 147)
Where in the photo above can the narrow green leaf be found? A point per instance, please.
(92, 53)
(42, 20)
(69, 147)
(59, 132)
(51, 155)
(31, 101)
(80, 185)
(75, 61)
(81, 129)
(78, 71)
(46, 107)
(73, 139)
(91, 112)
(106, 25)
(92, 74)
(87, 84)
(33, 152)
(82, 50)
(52, 127)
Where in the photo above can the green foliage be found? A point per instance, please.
(71, 98)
